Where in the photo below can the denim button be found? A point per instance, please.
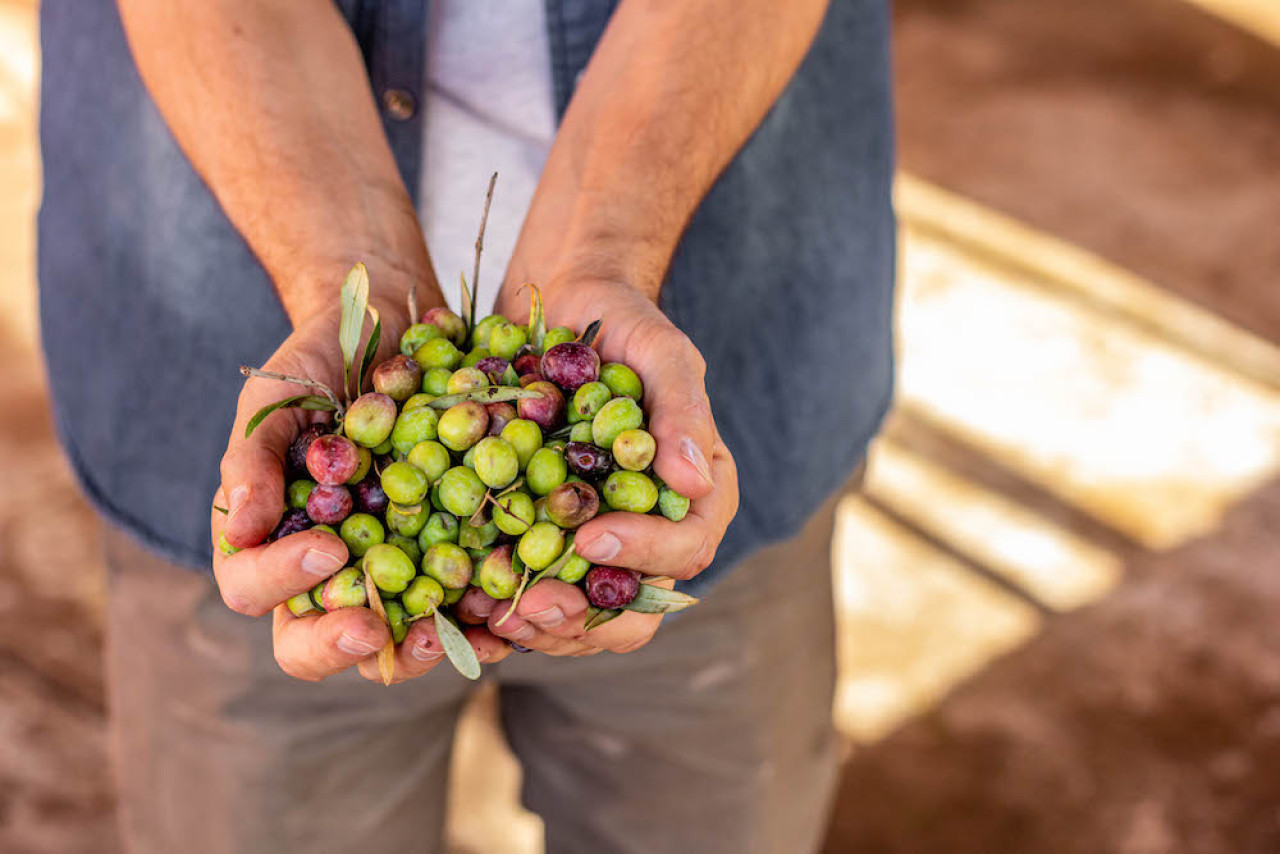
(400, 104)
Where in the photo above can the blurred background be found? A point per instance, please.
(1060, 594)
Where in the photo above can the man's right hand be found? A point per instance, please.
(261, 576)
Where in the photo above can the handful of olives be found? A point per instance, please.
(464, 471)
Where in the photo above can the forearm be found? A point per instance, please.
(671, 94)
(271, 103)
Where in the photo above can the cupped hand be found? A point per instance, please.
(260, 577)
(691, 458)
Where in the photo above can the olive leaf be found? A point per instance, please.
(589, 336)
(492, 394)
(462, 655)
(510, 377)
(659, 600)
(563, 433)
(537, 318)
(597, 617)
(386, 655)
(370, 349)
(355, 299)
(467, 303)
(313, 402)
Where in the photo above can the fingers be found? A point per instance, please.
(657, 546)
(627, 632)
(253, 468)
(313, 648)
(474, 608)
(421, 651)
(679, 412)
(557, 613)
(549, 619)
(254, 580)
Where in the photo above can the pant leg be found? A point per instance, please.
(219, 752)
(716, 737)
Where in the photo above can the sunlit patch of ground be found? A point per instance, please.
(1054, 566)
(1065, 381)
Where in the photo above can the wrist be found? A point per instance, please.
(586, 267)
(308, 274)
(316, 293)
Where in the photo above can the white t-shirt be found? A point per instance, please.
(489, 107)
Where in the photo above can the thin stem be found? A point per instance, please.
(506, 508)
(272, 375)
(475, 273)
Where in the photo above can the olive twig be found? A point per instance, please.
(475, 272)
(272, 375)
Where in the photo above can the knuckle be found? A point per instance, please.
(700, 558)
(291, 669)
(633, 645)
(240, 603)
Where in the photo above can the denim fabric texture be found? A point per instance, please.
(150, 299)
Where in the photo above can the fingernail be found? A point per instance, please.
(602, 548)
(524, 633)
(693, 454)
(317, 562)
(238, 498)
(356, 646)
(426, 651)
(547, 619)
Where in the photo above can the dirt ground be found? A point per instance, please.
(1144, 130)
(1149, 133)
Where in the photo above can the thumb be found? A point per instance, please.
(253, 467)
(680, 416)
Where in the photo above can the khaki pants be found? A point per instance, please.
(716, 737)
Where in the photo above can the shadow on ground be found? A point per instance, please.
(1147, 723)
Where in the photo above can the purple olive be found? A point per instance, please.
(588, 461)
(612, 586)
(571, 504)
(297, 462)
(493, 367)
(546, 411)
(526, 364)
(329, 505)
(369, 496)
(527, 380)
(332, 460)
(571, 365)
(500, 415)
(292, 522)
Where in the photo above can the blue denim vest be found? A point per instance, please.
(149, 298)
